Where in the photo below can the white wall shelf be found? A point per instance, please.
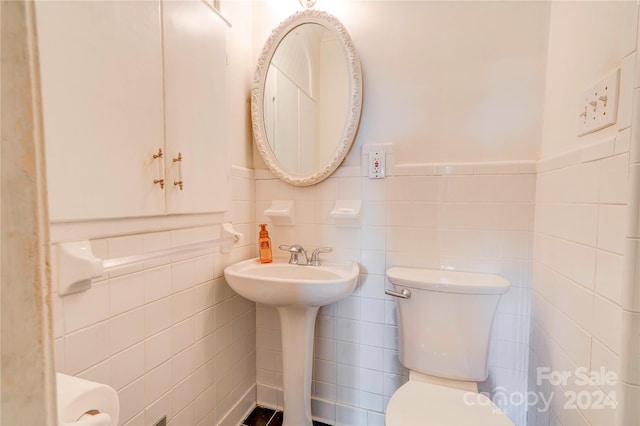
(281, 212)
(347, 213)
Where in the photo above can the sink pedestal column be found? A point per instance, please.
(298, 326)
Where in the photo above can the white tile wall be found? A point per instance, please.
(170, 336)
(476, 217)
(578, 271)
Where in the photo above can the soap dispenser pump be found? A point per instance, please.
(264, 245)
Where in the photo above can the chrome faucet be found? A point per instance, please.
(296, 250)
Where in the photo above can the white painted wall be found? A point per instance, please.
(444, 81)
(241, 68)
(587, 40)
(583, 311)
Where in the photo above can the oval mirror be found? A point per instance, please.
(307, 98)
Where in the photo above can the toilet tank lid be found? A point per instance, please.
(448, 281)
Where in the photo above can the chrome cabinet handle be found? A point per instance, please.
(404, 294)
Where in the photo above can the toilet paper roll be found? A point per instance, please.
(86, 403)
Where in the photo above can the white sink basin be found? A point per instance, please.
(282, 284)
(297, 292)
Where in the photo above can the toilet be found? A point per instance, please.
(445, 320)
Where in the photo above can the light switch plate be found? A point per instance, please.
(598, 106)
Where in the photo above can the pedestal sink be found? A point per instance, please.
(297, 292)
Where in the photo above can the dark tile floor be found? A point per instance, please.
(262, 416)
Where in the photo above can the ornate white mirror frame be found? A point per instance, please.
(343, 145)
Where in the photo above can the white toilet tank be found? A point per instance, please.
(445, 325)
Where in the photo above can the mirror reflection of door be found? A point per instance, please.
(306, 98)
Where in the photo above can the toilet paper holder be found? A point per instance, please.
(84, 402)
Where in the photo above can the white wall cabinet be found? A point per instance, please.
(195, 64)
(117, 86)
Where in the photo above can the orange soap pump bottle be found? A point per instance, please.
(264, 244)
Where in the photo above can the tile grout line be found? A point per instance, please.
(273, 415)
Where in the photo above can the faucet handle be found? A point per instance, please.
(315, 256)
(294, 250)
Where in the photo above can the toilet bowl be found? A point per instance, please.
(420, 403)
(445, 320)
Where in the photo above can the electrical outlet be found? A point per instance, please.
(376, 164)
(598, 107)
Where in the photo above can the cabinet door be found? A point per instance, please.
(195, 66)
(101, 73)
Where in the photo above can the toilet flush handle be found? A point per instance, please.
(404, 294)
